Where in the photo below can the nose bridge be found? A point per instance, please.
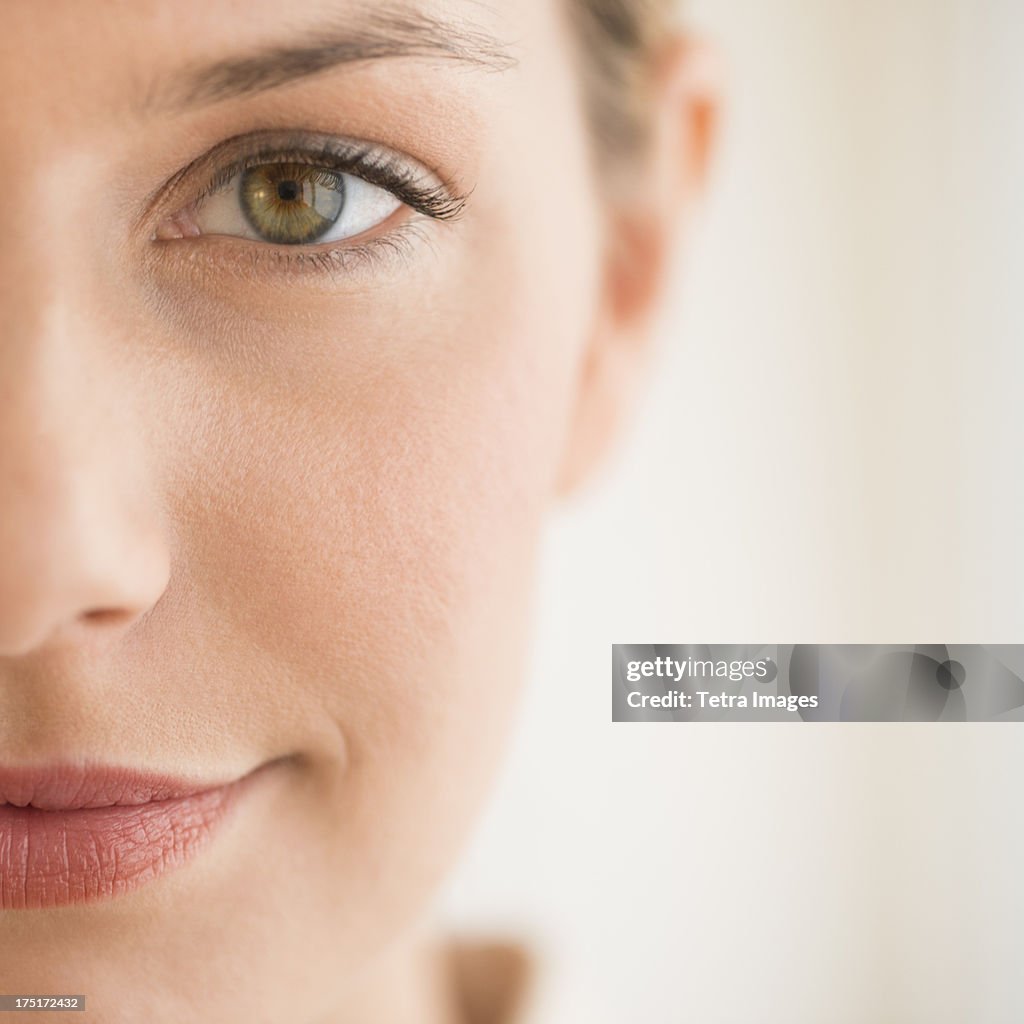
(51, 401)
(78, 532)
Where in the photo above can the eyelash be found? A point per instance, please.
(369, 161)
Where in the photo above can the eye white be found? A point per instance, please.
(365, 206)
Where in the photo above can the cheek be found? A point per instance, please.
(357, 538)
(359, 497)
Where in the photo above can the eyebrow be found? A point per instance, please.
(384, 33)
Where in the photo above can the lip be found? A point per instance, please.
(74, 834)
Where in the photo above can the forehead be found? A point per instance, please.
(130, 54)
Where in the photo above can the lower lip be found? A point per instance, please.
(59, 858)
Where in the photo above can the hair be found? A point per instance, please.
(618, 43)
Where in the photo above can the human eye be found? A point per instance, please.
(306, 192)
(287, 203)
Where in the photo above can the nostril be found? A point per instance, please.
(105, 616)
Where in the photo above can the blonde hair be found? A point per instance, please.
(618, 43)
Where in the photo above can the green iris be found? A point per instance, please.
(291, 203)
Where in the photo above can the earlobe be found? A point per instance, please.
(642, 220)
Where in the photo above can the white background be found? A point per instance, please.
(831, 451)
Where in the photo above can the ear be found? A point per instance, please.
(643, 216)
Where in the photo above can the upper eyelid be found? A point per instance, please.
(345, 153)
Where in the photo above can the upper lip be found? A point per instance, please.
(69, 787)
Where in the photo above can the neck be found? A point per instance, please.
(410, 983)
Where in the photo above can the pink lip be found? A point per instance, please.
(72, 834)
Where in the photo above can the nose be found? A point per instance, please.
(82, 551)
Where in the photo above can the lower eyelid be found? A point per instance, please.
(204, 257)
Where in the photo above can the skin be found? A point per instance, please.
(252, 514)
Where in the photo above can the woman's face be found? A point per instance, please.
(297, 305)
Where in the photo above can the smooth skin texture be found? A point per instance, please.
(259, 508)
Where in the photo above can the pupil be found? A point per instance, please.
(288, 191)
